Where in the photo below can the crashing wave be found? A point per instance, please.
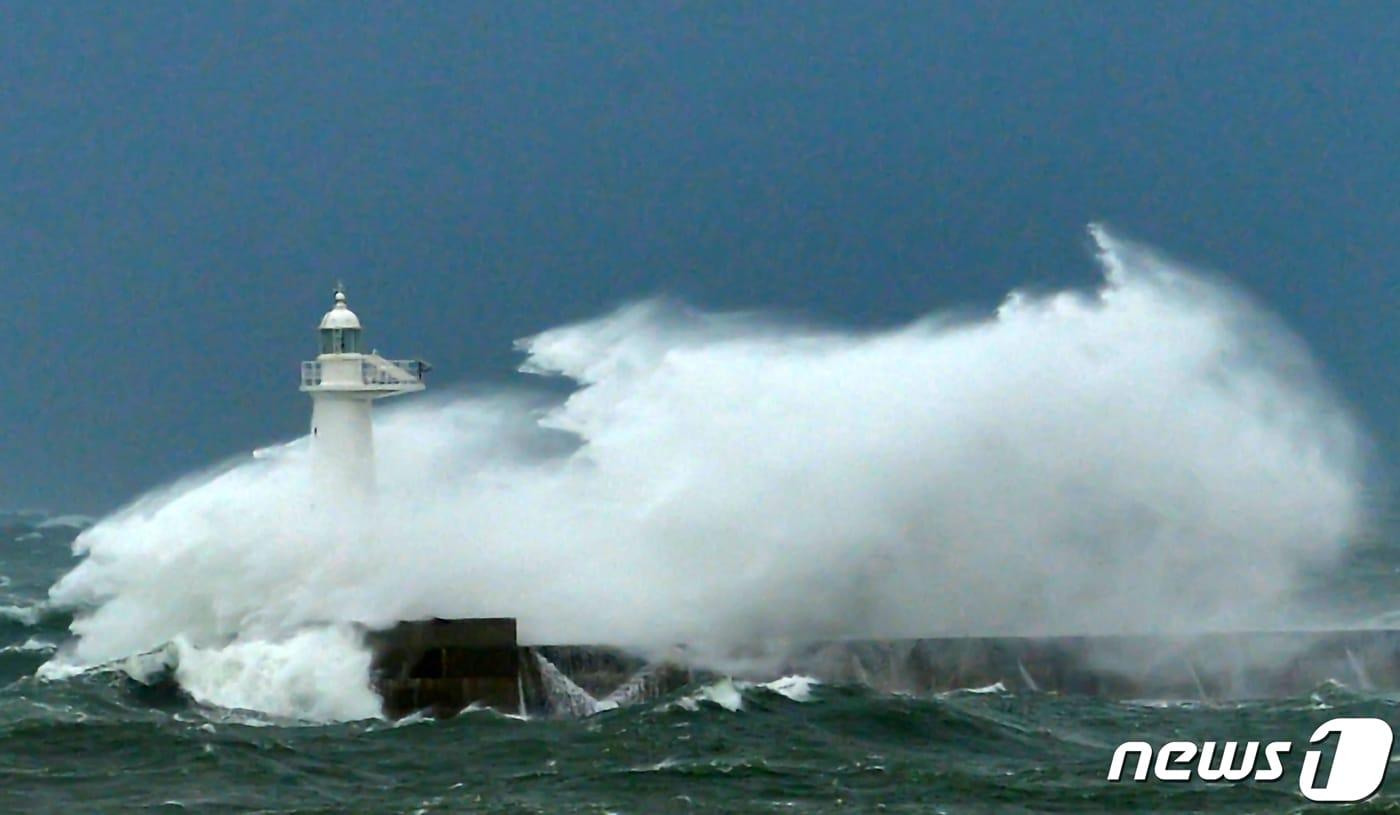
(1156, 451)
(728, 693)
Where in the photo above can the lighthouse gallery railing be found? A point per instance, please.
(373, 371)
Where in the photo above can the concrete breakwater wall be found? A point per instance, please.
(444, 666)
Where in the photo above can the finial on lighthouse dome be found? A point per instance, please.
(340, 315)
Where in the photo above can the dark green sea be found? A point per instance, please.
(102, 742)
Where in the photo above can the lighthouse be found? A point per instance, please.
(344, 381)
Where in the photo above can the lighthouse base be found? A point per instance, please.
(441, 667)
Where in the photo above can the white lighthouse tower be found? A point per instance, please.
(344, 380)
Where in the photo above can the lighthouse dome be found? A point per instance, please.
(340, 329)
(340, 316)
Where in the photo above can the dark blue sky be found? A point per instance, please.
(181, 183)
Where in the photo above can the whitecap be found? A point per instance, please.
(67, 522)
(796, 687)
(995, 687)
(726, 693)
(25, 615)
(31, 645)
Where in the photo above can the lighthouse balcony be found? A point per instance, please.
(375, 373)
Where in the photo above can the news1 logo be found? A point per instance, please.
(1359, 762)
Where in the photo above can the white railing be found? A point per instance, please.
(375, 372)
(379, 371)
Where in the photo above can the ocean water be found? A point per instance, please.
(104, 742)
